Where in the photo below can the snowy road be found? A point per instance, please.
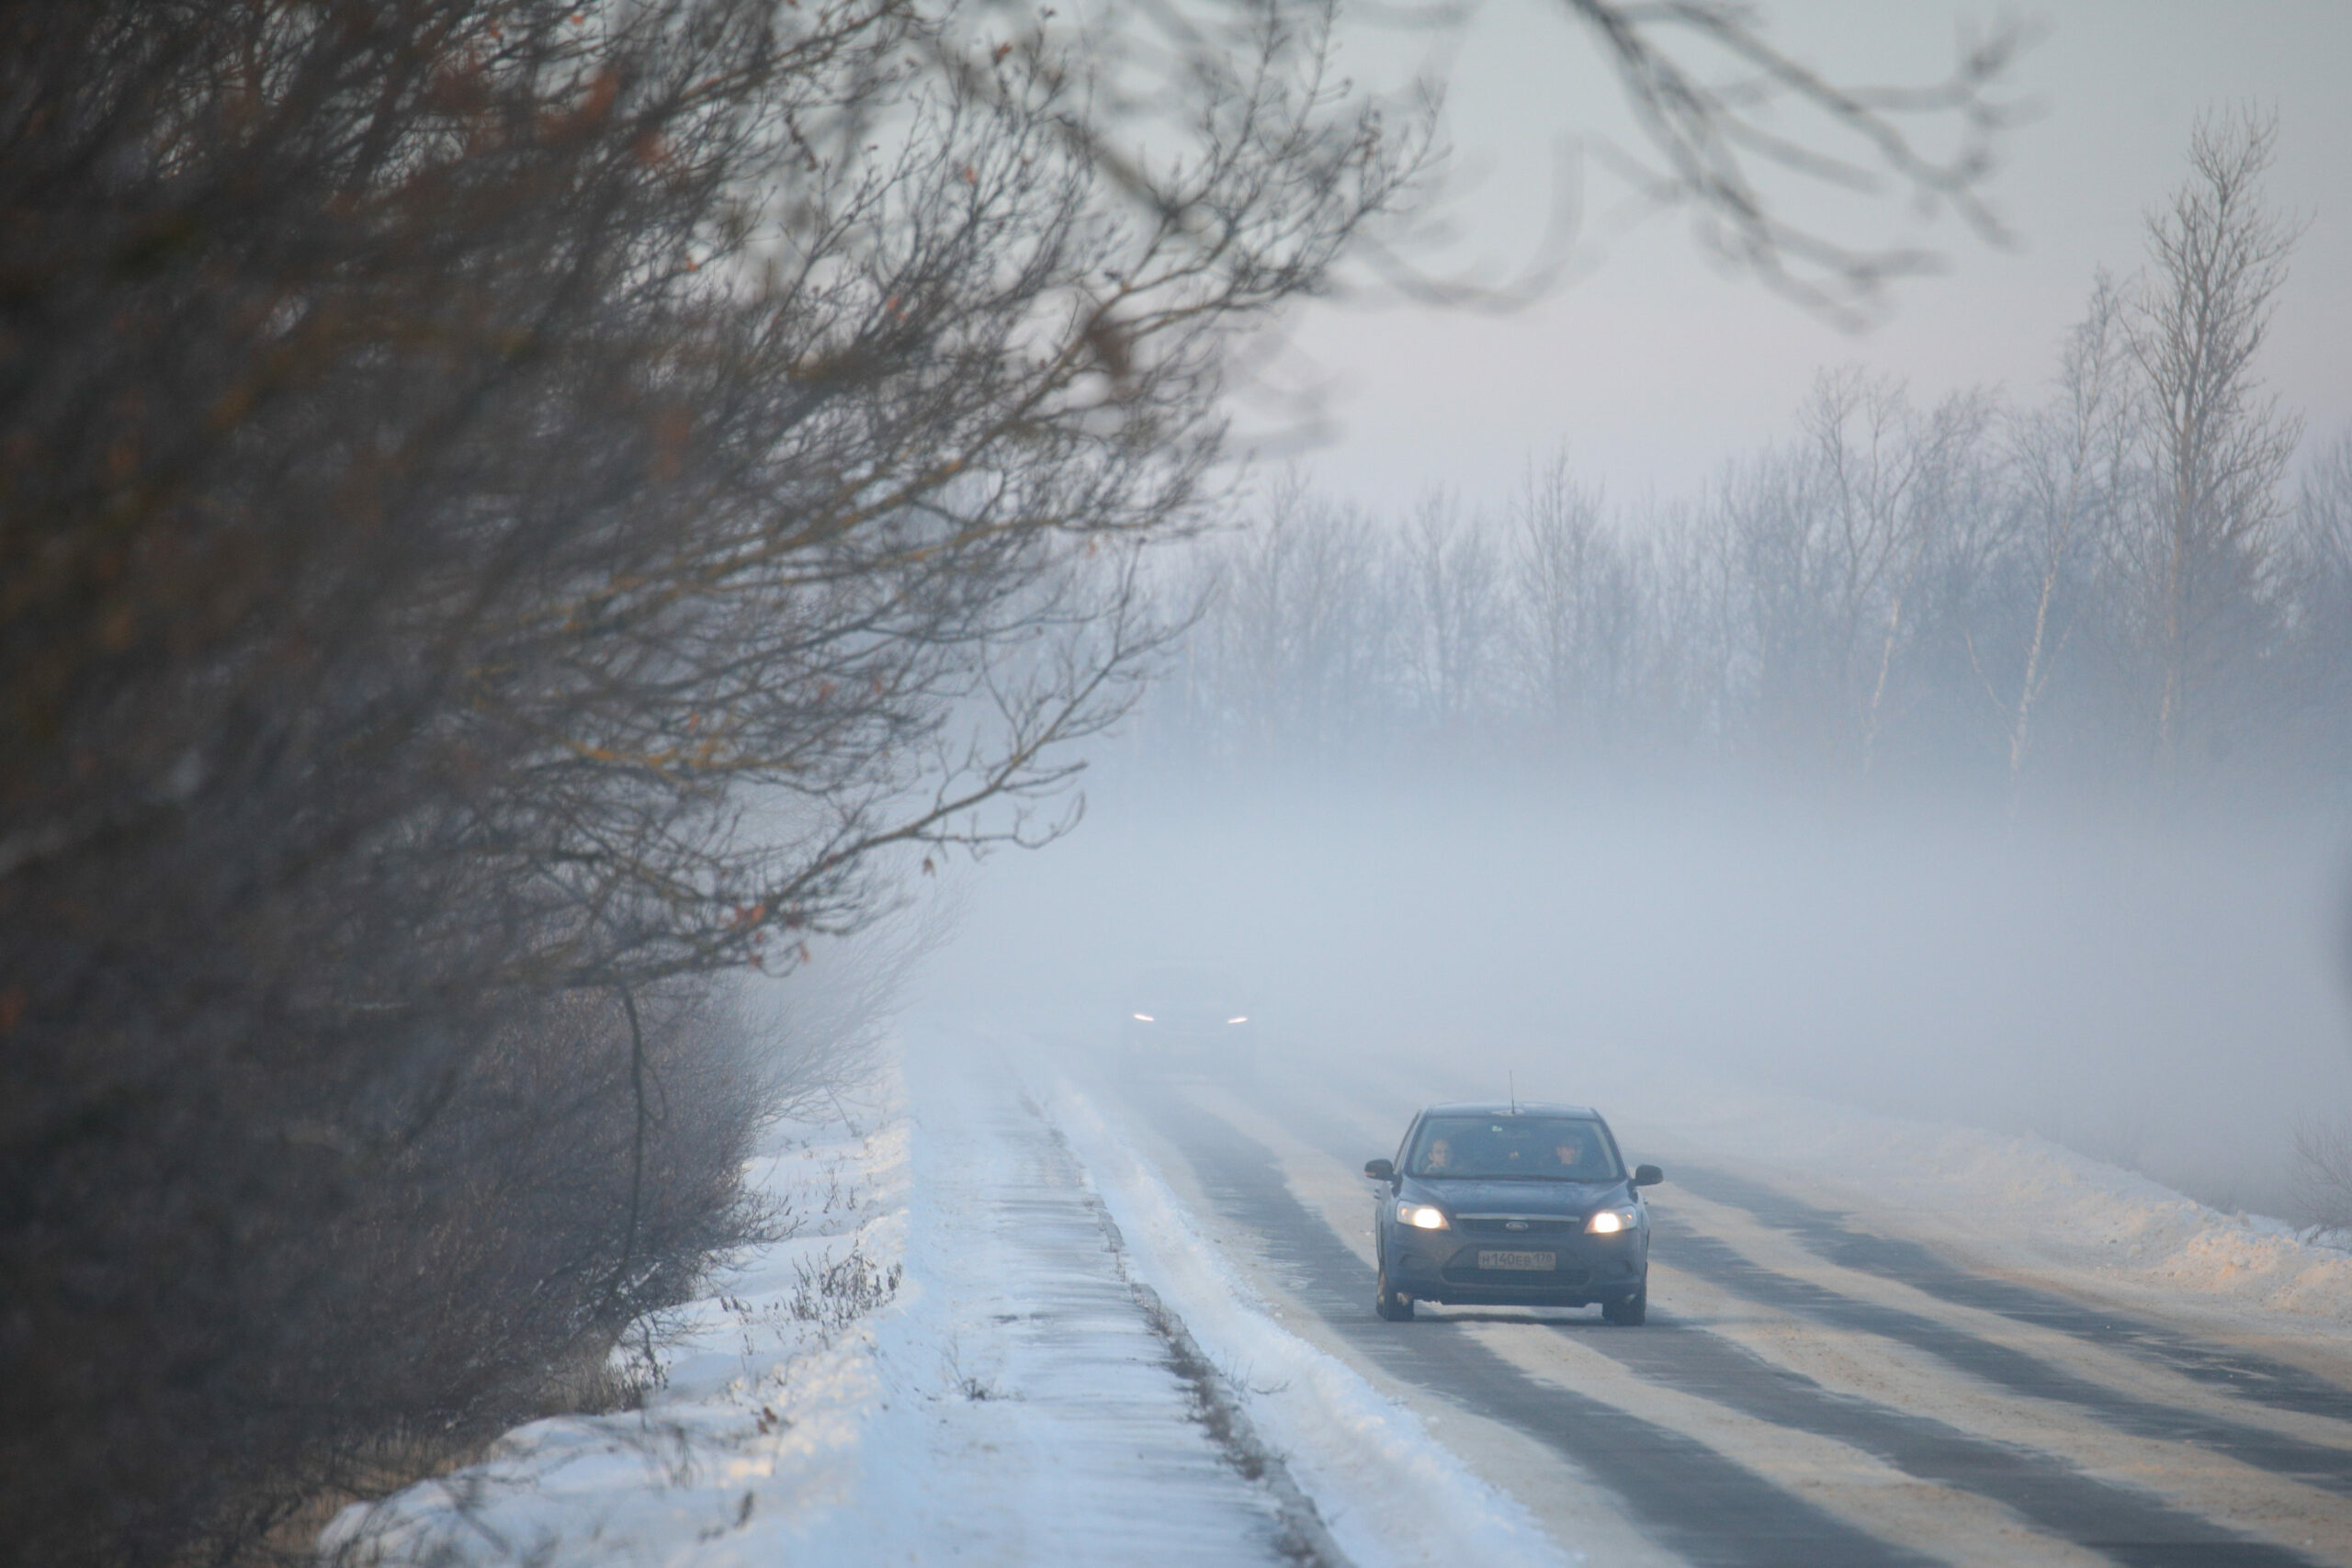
(1812, 1389)
(1069, 1397)
(1027, 1318)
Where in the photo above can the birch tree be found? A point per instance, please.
(1451, 577)
(2073, 458)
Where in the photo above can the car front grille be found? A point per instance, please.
(1516, 1225)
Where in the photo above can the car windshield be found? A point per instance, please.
(1533, 1148)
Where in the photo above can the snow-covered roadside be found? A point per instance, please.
(1388, 1492)
(755, 1433)
(994, 1334)
(2016, 1196)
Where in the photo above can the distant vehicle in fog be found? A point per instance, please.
(1187, 1019)
(1512, 1205)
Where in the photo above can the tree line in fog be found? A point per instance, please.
(2119, 577)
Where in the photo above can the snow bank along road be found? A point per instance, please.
(1816, 1385)
(1027, 1315)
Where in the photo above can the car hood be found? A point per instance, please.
(1570, 1198)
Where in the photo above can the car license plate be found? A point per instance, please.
(1531, 1260)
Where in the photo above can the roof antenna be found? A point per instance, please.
(1511, 1079)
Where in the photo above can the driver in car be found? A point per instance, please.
(1568, 1151)
(1439, 1156)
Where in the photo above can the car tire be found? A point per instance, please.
(1629, 1312)
(1391, 1306)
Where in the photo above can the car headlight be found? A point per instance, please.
(1243, 1018)
(1611, 1222)
(1143, 1018)
(1422, 1216)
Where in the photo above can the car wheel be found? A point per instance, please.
(1392, 1307)
(1629, 1312)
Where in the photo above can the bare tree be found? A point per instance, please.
(1779, 164)
(1724, 134)
(2322, 1170)
(2318, 608)
(1827, 542)
(1450, 582)
(2218, 258)
(1701, 666)
(2073, 458)
(514, 509)
(1291, 652)
(1571, 597)
(1933, 497)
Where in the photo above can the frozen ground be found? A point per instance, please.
(1013, 1327)
(756, 1438)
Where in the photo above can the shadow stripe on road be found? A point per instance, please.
(2246, 1375)
(1245, 1181)
(1827, 1234)
(2013, 1371)
(1907, 1263)
(1684, 1494)
(2123, 1523)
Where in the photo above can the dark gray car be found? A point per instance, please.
(1512, 1205)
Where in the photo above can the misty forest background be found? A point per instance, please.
(1978, 753)
(1975, 754)
(2113, 584)
(530, 532)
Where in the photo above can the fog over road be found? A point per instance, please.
(1815, 1386)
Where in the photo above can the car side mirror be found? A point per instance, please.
(1380, 1171)
(1647, 1176)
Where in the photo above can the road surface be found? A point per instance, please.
(1815, 1388)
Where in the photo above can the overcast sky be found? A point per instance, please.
(1654, 366)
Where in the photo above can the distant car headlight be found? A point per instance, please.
(1243, 1018)
(1611, 1222)
(1144, 1018)
(1422, 1216)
